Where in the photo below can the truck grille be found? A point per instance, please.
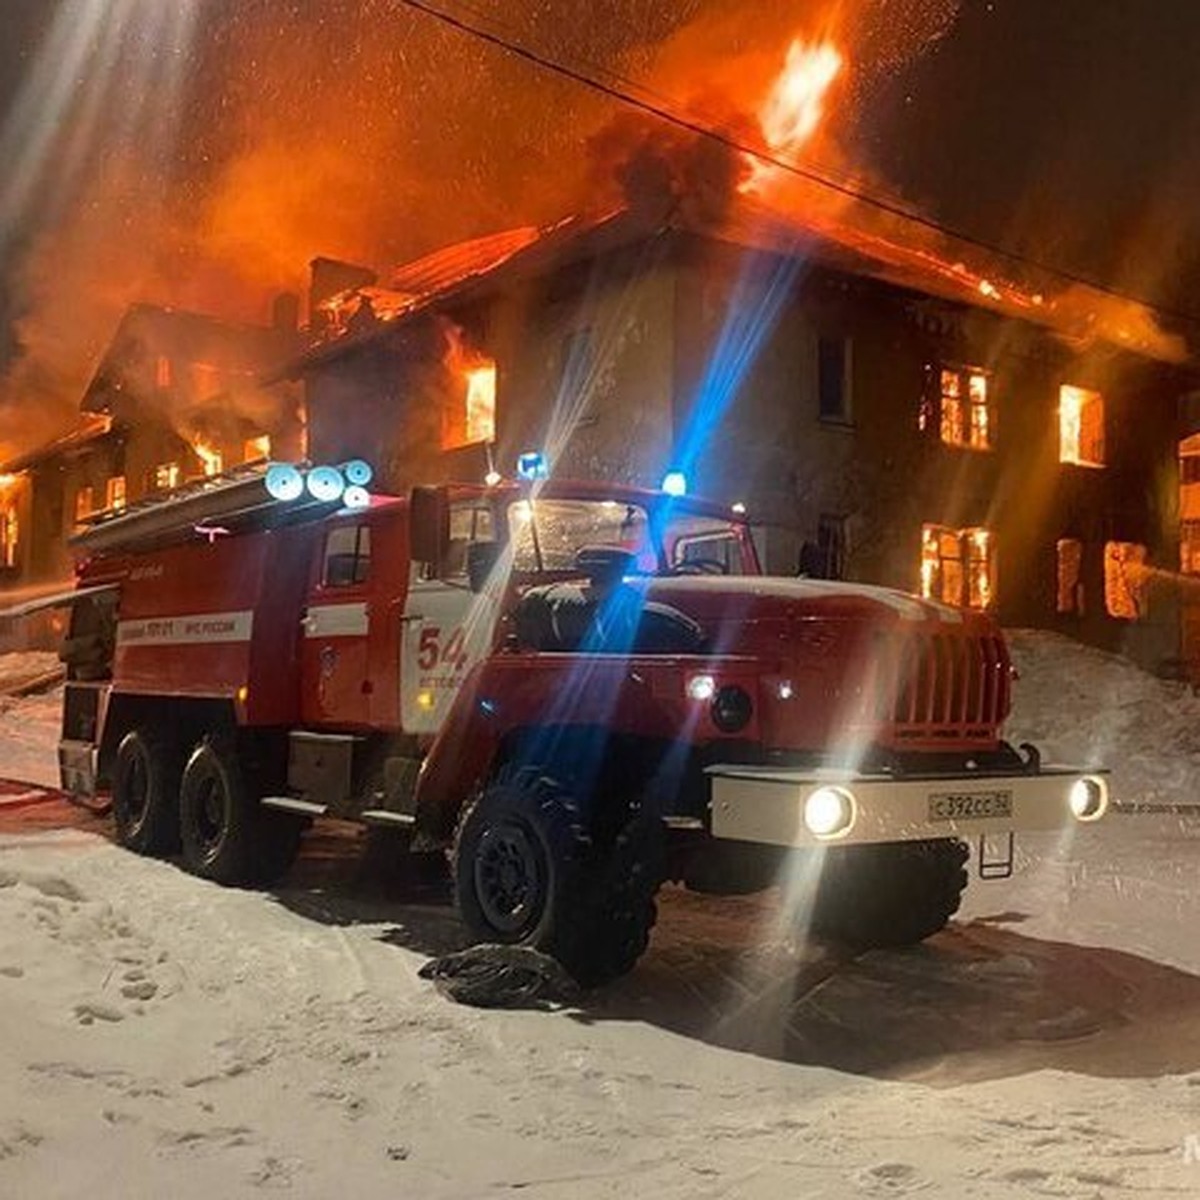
(941, 684)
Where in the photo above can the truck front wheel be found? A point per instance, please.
(227, 836)
(527, 871)
(897, 894)
(146, 793)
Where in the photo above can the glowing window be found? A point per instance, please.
(256, 449)
(165, 476)
(965, 416)
(1189, 547)
(212, 461)
(1080, 426)
(1070, 576)
(84, 503)
(114, 492)
(8, 536)
(162, 371)
(471, 418)
(957, 566)
(1125, 578)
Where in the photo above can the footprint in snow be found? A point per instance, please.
(890, 1178)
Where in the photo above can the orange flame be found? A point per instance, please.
(796, 103)
(210, 457)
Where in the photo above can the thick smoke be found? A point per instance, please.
(212, 154)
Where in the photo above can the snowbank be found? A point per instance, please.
(23, 666)
(163, 1036)
(166, 1037)
(1081, 705)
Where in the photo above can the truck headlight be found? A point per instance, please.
(1088, 798)
(829, 812)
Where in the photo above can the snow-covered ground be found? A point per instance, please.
(162, 1036)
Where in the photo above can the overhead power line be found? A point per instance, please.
(623, 92)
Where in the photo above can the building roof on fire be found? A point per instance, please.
(148, 330)
(889, 247)
(91, 428)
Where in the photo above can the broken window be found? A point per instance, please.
(1080, 426)
(1125, 578)
(833, 378)
(957, 566)
(1070, 576)
(84, 503)
(965, 416)
(114, 492)
(8, 536)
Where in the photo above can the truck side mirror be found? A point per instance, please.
(481, 558)
(428, 525)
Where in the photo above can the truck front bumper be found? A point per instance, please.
(821, 808)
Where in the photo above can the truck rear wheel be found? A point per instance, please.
(898, 894)
(527, 872)
(146, 779)
(227, 836)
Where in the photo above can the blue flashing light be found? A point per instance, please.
(325, 483)
(357, 472)
(675, 483)
(284, 482)
(356, 497)
(532, 465)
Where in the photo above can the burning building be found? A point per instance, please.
(177, 396)
(883, 417)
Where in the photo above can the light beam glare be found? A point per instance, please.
(107, 77)
(755, 305)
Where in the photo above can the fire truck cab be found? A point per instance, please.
(579, 690)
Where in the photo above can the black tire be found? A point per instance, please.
(880, 896)
(226, 835)
(146, 779)
(527, 871)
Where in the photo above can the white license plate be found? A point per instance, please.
(969, 806)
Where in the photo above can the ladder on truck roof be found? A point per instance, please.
(235, 501)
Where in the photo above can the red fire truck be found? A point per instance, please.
(579, 690)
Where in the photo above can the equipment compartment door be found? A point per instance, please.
(336, 687)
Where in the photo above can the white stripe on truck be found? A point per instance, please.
(190, 629)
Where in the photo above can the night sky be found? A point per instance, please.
(209, 172)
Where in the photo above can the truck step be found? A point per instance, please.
(382, 816)
(293, 804)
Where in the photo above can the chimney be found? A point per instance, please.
(327, 278)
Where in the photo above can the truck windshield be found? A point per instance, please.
(547, 534)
